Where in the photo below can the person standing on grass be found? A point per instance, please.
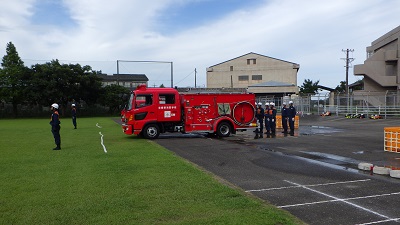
(55, 126)
(73, 112)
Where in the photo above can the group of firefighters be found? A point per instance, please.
(267, 116)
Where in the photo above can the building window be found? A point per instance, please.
(256, 77)
(249, 61)
(244, 78)
(231, 68)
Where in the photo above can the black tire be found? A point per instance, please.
(151, 131)
(224, 129)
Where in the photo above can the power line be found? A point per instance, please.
(186, 76)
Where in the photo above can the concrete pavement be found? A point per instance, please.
(313, 174)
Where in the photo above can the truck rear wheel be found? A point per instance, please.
(224, 129)
(151, 131)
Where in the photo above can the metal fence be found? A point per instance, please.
(37, 111)
(385, 104)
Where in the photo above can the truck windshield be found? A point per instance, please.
(129, 105)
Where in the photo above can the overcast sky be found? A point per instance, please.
(196, 34)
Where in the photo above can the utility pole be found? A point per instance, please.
(348, 61)
(195, 73)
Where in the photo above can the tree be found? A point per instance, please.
(309, 87)
(90, 85)
(52, 82)
(13, 78)
(55, 82)
(342, 87)
(113, 96)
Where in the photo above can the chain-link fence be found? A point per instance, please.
(37, 111)
(366, 103)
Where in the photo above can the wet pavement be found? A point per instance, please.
(337, 140)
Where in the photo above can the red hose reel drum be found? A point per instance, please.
(243, 113)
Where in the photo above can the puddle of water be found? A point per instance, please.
(359, 152)
(314, 130)
(326, 156)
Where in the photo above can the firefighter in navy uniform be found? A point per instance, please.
(260, 121)
(284, 112)
(272, 122)
(73, 112)
(55, 126)
(291, 117)
(267, 120)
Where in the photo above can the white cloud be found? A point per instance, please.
(14, 14)
(311, 33)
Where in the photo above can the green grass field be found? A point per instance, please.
(135, 182)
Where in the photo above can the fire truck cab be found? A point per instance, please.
(151, 111)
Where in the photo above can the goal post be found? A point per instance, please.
(163, 62)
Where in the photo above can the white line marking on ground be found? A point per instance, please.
(336, 200)
(97, 125)
(340, 200)
(381, 221)
(102, 143)
(311, 185)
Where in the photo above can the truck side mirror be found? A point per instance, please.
(124, 97)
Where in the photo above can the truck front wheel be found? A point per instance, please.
(151, 131)
(224, 129)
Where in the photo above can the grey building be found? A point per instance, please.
(380, 70)
(126, 80)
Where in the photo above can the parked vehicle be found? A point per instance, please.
(151, 111)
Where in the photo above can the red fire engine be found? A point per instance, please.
(151, 111)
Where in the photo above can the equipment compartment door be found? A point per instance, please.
(197, 118)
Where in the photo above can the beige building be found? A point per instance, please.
(260, 74)
(380, 70)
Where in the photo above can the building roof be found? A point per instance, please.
(357, 83)
(124, 77)
(326, 88)
(258, 55)
(386, 38)
(272, 84)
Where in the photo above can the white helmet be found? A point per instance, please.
(290, 102)
(273, 104)
(54, 105)
(284, 103)
(259, 103)
(73, 105)
(266, 103)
